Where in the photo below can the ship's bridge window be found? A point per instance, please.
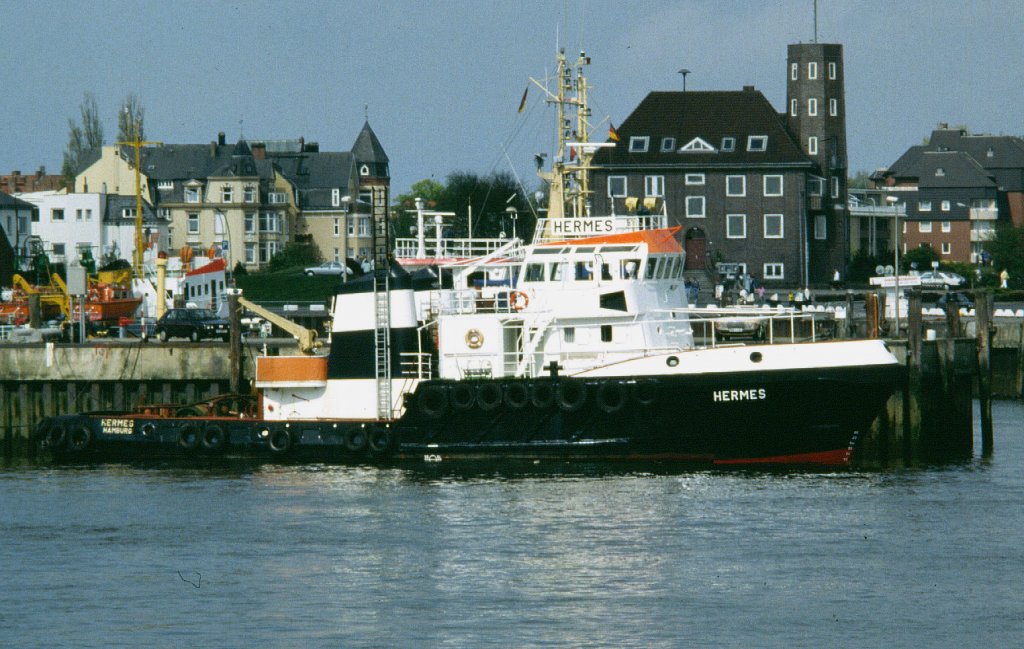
(534, 273)
(618, 248)
(630, 268)
(556, 271)
(549, 251)
(584, 271)
(606, 272)
(652, 266)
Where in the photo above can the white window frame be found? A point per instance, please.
(812, 145)
(773, 177)
(947, 248)
(743, 188)
(612, 181)
(812, 106)
(192, 194)
(227, 194)
(697, 145)
(835, 186)
(832, 70)
(694, 201)
(250, 253)
(337, 228)
(250, 223)
(812, 69)
(924, 206)
(165, 184)
(816, 186)
(350, 227)
(833, 107)
(249, 194)
(781, 229)
(730, 230)
(335, 197)
(668, 144)
(364, 226)
(794, 107)
(192, 220)
(694, 179)
(820, 227)
(794, 71)
(773, 271)
(654, 186)
(924, 227)
(947, 226)
(945, 206)
(639, 143)
(277, 198)
(57, 215)
(728, 144)
(220, 221)
(758, 143)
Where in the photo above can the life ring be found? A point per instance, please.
(214, 438)
(542, 395)
(517, 395)
(280, 441)
(79, 439)
(645, 392)
(188, 437)
(148, 429)
(474, 339)
(432, 401)
(571, 395)
(611, 397)
(488, 396)
(355, 439)
(380, 441)
(519, 300)
(462, 396)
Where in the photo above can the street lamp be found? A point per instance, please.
(893, 200)
(421, 244)
(513, 214)
(684, 72)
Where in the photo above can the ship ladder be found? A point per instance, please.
(382, 321)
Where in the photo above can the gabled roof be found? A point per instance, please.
(116, 204)
(711, 116)
(367, 147)
(948, 169)
(6, 200)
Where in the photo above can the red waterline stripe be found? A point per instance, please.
(838, 457)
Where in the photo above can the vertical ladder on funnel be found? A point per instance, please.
(382, 317)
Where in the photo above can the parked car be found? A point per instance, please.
(941, 279)
(328, 268)
(194, 324)
(741, 327)
(956, 297)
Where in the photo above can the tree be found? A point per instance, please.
(404, 220)
(860, 180)
(130, 116)
(1007, 250)
(293, 255)
(82, 137)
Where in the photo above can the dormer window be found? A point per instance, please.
(165, 184)
(990, 153)
(335, 197)
(668, 144)
(940, 171)
(697, 145)
(249, 194)
(757, 143)
(364, 170)
(191, 194)
(639, 143)
(728, 144)
(227, 194)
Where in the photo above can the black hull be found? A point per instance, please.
(806, 417)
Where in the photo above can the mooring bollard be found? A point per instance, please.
(983, 315)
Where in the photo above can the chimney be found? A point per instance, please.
(748, 88)
(302, 144)
(213, 149)
(259, 151)
(313, 147)
(220, 138)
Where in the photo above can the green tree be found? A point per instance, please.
(919, 258)
(294, 255)
(131, 115)
(859, 180)
(83, 137)
(1007, 250)
(402, 211)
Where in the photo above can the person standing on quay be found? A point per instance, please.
(1004, 278)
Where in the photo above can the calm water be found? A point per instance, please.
(538, 555)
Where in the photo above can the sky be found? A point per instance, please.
(440, 81)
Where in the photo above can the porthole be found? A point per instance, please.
(755, 357)
(672, 361)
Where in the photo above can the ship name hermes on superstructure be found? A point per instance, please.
(582, 225)
(740, 395)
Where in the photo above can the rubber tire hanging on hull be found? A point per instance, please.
(611, 397)
(542, 395)
(462, 396)
(517, 395)
(571, 395)
(188, 437)
(432, 401)
(380, 441)
(280, 440)
(355, 439)
(488, 396)
(214, 438)
(79, 438)
(56, 436)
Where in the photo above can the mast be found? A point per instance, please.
(569, 180)
(140, 243)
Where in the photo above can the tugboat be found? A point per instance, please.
(578, 345)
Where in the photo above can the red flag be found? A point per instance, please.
(612, 134)
(572, 153)
(522, 102)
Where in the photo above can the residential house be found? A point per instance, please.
(16, 223)
(18, 183)
(955, 189)
(747, 184)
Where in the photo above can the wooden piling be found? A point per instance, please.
(235, 344)
(983, 319)
(851, 324)
(912, 404)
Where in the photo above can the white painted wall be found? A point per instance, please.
(82, 223)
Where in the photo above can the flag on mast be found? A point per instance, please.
(612, 133)
(522, 102)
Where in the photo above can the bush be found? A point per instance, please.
(295, 255)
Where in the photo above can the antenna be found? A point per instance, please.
(815, 21)
(684, 72)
